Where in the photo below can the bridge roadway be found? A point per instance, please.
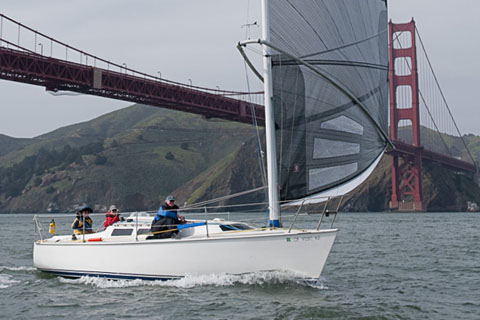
(453, 163)
(55, 75)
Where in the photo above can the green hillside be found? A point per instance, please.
(443, 188)
(9, 144)
(238, 172)
(133, 158)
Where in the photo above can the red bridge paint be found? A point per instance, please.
(55, 75)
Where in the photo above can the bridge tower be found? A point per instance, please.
(404, 109)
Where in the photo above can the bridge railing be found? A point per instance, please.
(18, 36)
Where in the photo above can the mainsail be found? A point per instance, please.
(330, 93)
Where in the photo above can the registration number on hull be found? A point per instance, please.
(303, 239)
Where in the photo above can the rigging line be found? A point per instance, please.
(252, 108)
(369, 78)
(195, 205)
(305, 20)
(339, 63)
(336, 109)
(225, 206)
(256, 51)
(443, 96)
(282, 120)
(344, 46)
(334, 82)
(292, 131)
(257, 132)
(363, 76)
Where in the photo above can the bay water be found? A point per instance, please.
(382, 266)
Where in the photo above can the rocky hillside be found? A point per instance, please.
(133, 158)
(443, 189)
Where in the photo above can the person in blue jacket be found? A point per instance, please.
(167, 218)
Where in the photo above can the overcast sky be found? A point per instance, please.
(193, 39)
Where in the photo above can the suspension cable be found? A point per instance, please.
(443, 96)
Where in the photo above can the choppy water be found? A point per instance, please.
(382, 266)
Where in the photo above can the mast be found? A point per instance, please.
(272, 170)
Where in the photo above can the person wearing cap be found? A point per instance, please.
(81, 218)
(111, 216)
(167, 218)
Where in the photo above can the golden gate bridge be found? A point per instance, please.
(422, 127)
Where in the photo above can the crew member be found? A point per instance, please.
(167, 218)
(81, 218)
(111, 216)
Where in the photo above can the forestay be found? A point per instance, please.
(330, 87)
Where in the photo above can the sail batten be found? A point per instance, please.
(330, 71)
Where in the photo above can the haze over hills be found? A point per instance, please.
(136, 156)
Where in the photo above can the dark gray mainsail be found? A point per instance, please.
(330, 93)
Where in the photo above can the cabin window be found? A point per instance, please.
(234, 226)
(122, 232)
(143, 231)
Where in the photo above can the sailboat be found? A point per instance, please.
(325, 69)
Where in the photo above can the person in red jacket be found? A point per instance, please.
(112, 216)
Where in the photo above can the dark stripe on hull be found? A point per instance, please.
(113, 276)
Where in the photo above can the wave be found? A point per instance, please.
(21, 268)
(7, 281)
(191, 281)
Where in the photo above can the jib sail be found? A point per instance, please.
(330, 93)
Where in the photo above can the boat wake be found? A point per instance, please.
(191, 281)
(21, 268)
(8, 273)
(7, 281)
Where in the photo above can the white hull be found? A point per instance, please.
(301, 251)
